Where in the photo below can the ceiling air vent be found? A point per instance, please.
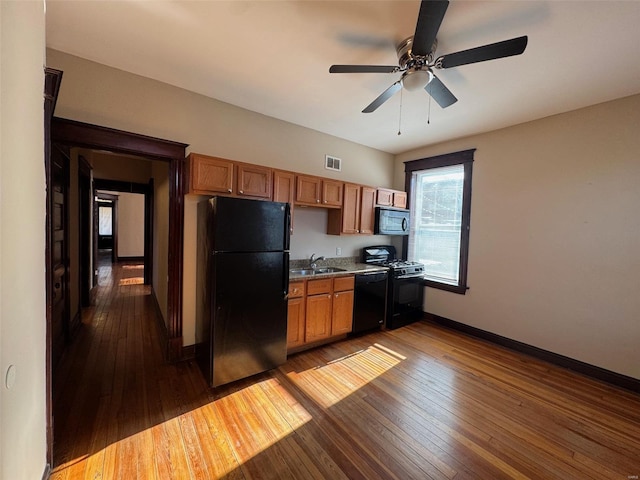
(332, 163)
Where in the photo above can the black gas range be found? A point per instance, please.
(405, 293)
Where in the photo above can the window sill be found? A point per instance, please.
(459, 289)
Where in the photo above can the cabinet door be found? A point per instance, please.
(400, 199)
(308, 189)
(351, 209)
(295, 322)
(284, 188)
(254, 181)
(210, 174)
(367, 210)
(318, 317)
(385, 197)
(332, 193)
(342, 321)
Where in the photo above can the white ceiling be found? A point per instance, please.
(273, 57)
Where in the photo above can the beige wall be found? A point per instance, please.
(555, 230)
(130, 224)
(22, 241)
(102, 95)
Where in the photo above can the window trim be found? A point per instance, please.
(464, 157)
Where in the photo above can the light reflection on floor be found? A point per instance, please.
(329, 383)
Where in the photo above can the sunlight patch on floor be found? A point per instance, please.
(131, 281)
(234, 428)
(333, 381)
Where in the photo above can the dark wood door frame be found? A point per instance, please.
(53, 79)
(85, 193)
(145, 189)
(84, 135)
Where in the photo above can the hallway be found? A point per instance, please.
(108, 385)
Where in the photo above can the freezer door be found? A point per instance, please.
(249, 314)
(242, 225)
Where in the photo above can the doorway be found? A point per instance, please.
(62, 135)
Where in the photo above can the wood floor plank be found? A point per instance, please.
(418, 402)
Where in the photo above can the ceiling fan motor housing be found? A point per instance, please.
(406, 58)
(417, 71)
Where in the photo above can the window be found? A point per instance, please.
(104, 223)
(440, 201)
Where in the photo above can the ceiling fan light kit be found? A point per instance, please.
(413, 80)
(416, 58)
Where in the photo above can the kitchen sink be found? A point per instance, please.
(329, 270)
(315, 271)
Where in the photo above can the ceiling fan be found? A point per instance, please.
(416, 58)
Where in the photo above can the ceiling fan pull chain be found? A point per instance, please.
(400, 116)
(429, 109)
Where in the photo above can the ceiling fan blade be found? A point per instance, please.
(429, 20)
(386, 95)
(440, 93)
(506, 48)
(362, 69)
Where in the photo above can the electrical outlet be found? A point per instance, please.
(338, 251)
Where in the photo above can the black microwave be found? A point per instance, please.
(391, 221)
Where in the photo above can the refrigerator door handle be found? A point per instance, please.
(287, 228)
(285, 277)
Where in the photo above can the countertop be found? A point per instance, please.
(349, 265)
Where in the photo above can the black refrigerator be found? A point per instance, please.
(242, 284)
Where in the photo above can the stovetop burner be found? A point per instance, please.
(401, 264)
(385, 255)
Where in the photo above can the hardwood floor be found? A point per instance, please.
(419, 402)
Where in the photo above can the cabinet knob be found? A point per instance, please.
(229, 190)
(241, 191)
(325, 201)
(328, 296)
(317, 200)
(336, 295)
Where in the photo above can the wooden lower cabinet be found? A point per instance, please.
(296, 314)
(342, 313)
(325, 310)
(318, 318)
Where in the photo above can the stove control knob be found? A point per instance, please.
(403, 271)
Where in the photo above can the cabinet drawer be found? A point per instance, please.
(341, 284)
(296, 289)
(321, 285)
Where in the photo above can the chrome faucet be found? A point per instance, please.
(313, 260)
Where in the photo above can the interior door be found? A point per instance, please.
(59, 262)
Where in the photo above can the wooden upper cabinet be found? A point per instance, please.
(332, 193)
(351, 209)
(284, 186)
(319, 192)
(367, 210)
(357, 213)
(284, 190)
(308, 190)
(400, 199)
(210, 175)
(387, 197)
(254, 181)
